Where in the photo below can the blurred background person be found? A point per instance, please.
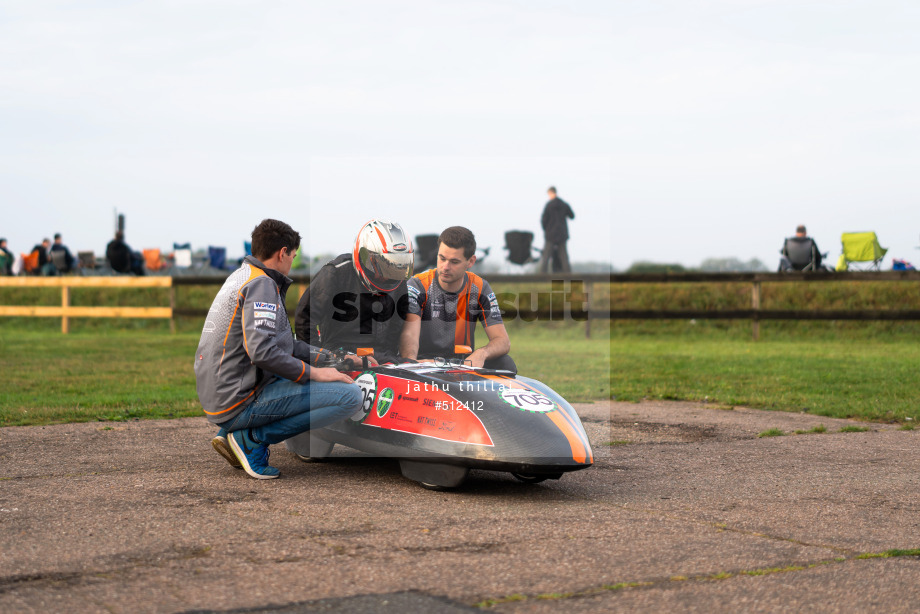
(555, 218)
(6, 259)
(66, 261)
(122, 258)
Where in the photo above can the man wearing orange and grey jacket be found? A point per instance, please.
(254, 379)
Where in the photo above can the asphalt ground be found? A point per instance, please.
(686, 509)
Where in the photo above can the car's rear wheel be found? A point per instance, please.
(528, 478)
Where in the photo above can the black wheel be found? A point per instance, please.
(428, 486)
(310, 459)
(433, 476)
(308, 448)
(529, 479)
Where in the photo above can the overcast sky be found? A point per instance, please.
(677, 130)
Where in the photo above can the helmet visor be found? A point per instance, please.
(386, 271)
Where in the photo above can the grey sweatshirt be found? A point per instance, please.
(247, 342)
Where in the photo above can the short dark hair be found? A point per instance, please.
(456, 237)
(270, 236)
(57, 236)
(551, 189)
(800, 228)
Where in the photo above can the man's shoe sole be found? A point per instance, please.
(223, 448)
(245, 463)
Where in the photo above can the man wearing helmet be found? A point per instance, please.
(359, 300)
(446, 302)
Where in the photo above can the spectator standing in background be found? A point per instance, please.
(556, 232)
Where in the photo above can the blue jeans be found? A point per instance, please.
(284, 409)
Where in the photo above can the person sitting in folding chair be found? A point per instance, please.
(61, 258)
(121, 257)
(800, 253)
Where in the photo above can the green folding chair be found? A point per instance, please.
(860, 248)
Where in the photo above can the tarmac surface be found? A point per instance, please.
(686, 509)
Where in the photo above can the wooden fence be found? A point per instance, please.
(581, 287)
(66, 311)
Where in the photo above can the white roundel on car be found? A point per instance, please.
(367, 382)
(527, 400)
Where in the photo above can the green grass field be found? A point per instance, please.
(112, 373)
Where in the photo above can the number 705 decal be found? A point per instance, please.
(527, 400)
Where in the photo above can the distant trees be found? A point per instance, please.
(710, 265)
(645, 266)
(733, 265)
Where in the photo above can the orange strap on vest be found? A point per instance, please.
(463, 328)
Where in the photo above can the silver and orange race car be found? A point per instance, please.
(441, 419)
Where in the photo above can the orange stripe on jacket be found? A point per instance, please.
(217, 413)
(253, 273)
(461, 326)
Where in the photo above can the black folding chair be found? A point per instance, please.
(426, 252)
(519, 244)
(799, 254)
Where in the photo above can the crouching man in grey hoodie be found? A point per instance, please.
(254, 379)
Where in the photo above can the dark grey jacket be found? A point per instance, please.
(247, 342)
(336, 311)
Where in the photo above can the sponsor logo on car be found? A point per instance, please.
(384, 401)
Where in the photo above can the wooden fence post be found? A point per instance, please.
(172, 306)
(65, 303)
(755, 305)
(589, 291)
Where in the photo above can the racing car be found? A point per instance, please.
(440, 419)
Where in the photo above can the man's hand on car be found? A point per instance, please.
(476, 359)
(328, 374)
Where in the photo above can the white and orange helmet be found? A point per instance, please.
(382, 256)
